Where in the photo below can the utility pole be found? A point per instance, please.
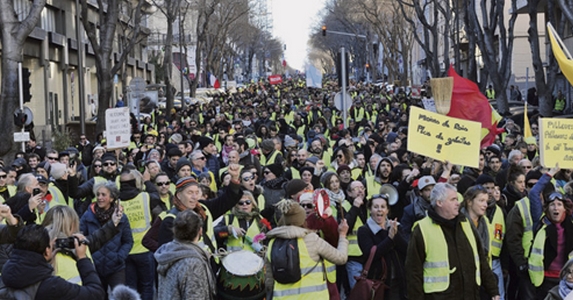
(81, 94)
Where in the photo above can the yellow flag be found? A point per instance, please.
(526, 127)
(561, 53)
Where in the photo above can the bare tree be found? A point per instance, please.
(205, 10)
(102, 37)
(13, 33)
(495, 43)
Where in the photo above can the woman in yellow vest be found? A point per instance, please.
(474, 208)
(238, 229)
(62, 222)
(552, 245)
(312, 250)
(391, 246)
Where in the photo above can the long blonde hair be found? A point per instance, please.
(61, 222)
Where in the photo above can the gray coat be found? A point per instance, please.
(184, 272)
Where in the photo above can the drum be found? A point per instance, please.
(242, 276)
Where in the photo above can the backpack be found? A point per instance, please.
(285, 261)
(27, 293)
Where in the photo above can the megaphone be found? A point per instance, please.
(390, 191)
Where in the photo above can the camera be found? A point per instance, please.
(36, 191)
(68, 243)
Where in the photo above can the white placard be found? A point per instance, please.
(117, 127)
(429, 104)
(21, 136)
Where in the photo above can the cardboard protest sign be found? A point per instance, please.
(444, 138)
(556, 142)
(117, 127)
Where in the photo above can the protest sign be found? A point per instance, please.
(117, 127)
(556, 142)
(444, 138)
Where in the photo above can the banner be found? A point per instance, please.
(117, 127)
(313, 77)
(444, 138)
(275, 79)
(556, 142)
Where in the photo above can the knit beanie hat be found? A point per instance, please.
(184, 182)
(312, 159)
(58, 170)
(294, 186)
(289, 141)
(533, 174)
(183, 161)
(293, 213)
(268, 145)
(484, 178)
(108, 157)
(276, 169)
(176, 138)
(343, 168)
(44, 165)
(204, 141)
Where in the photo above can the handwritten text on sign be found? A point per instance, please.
(444, 138)
(117, 127)
(556, 142)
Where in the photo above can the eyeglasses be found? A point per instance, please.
(247, 202)
(97, 166)
(248, 178)
(52, 158)
(163, 183)
(307, 205)
(3, 176)
(534, 128)
(107, 164)
(527, 167)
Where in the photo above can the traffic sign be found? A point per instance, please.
(338, 101)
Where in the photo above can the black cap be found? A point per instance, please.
(41, 178)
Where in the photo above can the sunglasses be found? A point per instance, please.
(531, 184)
(248, 178)
(52, 158)
(267, 172)
(247, 202)
(307, 205)
(339, 156)
(3, 176)
(97, 166)
(163, 183)
(202, 158)
(107, 164)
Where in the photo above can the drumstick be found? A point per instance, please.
(341, 210)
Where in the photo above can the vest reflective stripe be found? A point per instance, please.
(527, 222)
(437, 266)
(497, 232)
(236, 244)
(353, 248)
(312, 284)
(330, 271)
(295, 173)
(139, 215)
(535, 260)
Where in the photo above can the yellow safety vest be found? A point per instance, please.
(271, 160)
(138, 213)
(237, 244)
(67, 269)
(353, 248)
(559, 104)
(527, 222)
(294, 172)
(490, 94)
(311, 286)
(372, 186)
(356, 173)
(58, 197)
(437, 266)
(535, 262)
(497, 232)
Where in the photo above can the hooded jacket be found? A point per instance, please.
(184, 272)
(27, 268)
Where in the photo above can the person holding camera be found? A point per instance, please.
(30, 270)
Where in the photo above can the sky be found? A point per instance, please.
(293, 20)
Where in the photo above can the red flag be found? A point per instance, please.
(275, 79)
(469, 103)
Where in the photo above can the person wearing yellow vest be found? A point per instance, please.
(163, 185)
(189, 196)
(445, 259)
(238, 229)
(552, 245)
(29, 265)
(490, 92)
(356, 214)
(560, 103)
(198, 162)
(381, 176)
(391, 246)
(270, 154)
(312, 251)
(137, 206)
(24, 202)
(474, 207)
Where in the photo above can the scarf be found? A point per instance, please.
(421, 207)
(336, 197)
(103, 215)
(565, 288)
(245, 215)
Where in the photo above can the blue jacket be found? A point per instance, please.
(110, 258)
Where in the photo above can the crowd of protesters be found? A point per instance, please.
(242, 172)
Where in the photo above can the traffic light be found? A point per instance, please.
(367, 67)
(26, 84)
(20, 118)
(323, 30)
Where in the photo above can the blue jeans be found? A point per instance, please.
(140, 273)
(353, 268)
(496, 268)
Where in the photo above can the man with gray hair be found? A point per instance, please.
(445, 258)
(513, 158)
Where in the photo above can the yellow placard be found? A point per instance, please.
(556, 142)
(444, 138)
